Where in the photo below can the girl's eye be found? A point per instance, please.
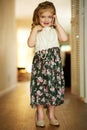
(50, 17)
(42, 16)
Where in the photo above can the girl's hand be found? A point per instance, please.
(62, 35)
(55, 21)
(38, 28)
(32, 36)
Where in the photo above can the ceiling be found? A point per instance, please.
(24, 9)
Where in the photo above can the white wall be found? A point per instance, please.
(8, 71)
(83, 49)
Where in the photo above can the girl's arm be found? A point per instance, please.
(32, 38)
(62, 35)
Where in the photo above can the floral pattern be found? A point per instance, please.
(47, 78)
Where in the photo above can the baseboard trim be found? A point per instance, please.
(7, 90)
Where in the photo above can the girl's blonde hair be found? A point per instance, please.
(41, 8)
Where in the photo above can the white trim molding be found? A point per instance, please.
(85, 29)
(83, 49)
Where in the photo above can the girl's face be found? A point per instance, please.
(46, 19)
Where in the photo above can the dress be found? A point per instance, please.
(47, 77)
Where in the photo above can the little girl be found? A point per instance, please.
(47, 79)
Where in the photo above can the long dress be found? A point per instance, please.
(47, 78)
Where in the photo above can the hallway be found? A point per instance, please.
(16, 113)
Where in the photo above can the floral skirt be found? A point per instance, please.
(47, 78)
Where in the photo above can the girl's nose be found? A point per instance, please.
(46, 19)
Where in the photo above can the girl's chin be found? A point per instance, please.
(46, 25)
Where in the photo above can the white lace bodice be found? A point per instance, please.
(47, 38)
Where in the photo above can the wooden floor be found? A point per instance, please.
(16, 113)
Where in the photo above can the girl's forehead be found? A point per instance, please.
(46, 11)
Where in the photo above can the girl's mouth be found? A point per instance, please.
(46, 23)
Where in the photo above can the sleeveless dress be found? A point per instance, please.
(47, 77)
